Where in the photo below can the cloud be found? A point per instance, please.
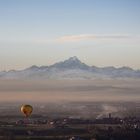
(83, 37)
(71, 38)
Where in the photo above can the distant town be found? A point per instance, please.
(66, 126)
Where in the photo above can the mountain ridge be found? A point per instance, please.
(71, 68)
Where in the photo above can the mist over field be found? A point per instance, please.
(74, 98)
(69, 90)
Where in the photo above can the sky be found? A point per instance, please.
(42, 32)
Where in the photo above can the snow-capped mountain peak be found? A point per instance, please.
(74, 58)
(71, 63)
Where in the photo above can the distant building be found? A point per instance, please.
(109, 115)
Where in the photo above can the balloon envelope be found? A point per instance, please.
(27, 110)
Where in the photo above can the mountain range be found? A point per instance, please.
(71, 68)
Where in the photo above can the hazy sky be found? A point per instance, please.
(42, 32)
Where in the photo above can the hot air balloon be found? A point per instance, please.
(26, 110)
